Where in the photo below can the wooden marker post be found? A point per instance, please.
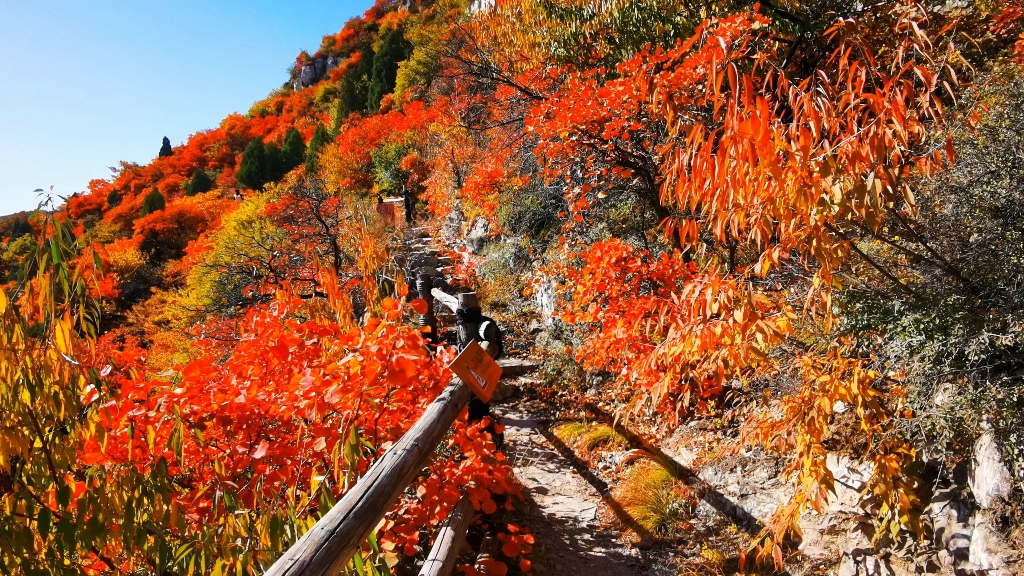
(475, 367)
(424, 283)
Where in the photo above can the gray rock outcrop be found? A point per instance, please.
(476, 238)
(313, 72)
(987, 550)
(990, 480)
(452, 228)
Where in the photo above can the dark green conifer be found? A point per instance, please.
(165, 148)
(393, 49)
(113, 199)
(293, 152)
(20, 227)
(200, 182)
(153, 202)
(355, 84)
(316, 143)
(252, 172)
(275, 164)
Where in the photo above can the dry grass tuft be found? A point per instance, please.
(586, 437)
(655, 499)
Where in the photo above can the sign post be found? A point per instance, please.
(475, 367)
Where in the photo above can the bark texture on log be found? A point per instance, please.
(442, 557)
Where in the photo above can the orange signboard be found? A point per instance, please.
(475, 367)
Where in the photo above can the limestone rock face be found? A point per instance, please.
(989, 479)
(308, 75)
(951, 524)
(476, 239)
(314, 71)
(453, 223)
(986, 548)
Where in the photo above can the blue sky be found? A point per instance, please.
(88, 83)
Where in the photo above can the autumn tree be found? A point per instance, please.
(232, 264)
(765, 144)
(52, 519)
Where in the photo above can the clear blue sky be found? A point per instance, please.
(86, 83)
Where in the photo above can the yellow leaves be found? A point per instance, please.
(62, 334)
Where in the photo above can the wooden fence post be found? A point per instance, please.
(424, 283)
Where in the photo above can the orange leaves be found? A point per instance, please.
(665, 326)
(515, 542)
(344, 163)
(800, 422)
(473, 466)
(280, 400)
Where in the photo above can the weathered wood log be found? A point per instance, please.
(512, 367)
(330, 544)
(441, 560)
(451, 302)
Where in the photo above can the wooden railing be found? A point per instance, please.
(327, 547)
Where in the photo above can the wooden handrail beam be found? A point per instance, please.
(330, 544)
(441, 560)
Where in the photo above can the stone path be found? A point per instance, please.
(565, 508)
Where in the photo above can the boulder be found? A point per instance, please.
(989, 480)
(951, 525)
(546, 295)
(453, 223)
(308, 75)
(476, 238)
(987, 550)
(855, 564)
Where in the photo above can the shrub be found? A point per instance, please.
(200, 182)
(153, 202)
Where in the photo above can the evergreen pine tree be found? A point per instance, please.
(153, 202)
(355, 84)
(293, 152)
(20, 227)
(200, 182)
(393, 49)
(252, 172)
(337, 116)
(275, 164)
(113, 199)
(316, 143)
(165, 148)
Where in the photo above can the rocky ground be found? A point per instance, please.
(580, 529)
